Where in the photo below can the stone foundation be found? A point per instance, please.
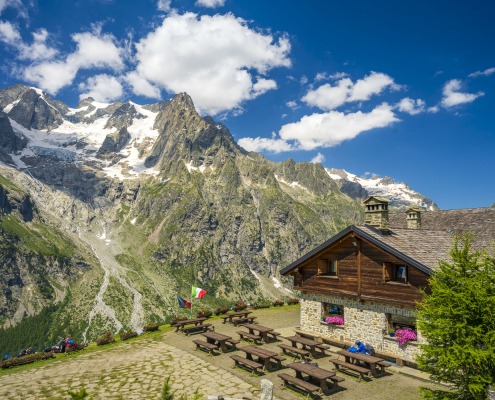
(365, 321)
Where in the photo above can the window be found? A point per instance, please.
(327, 267)
(332, 313)
(394, 272)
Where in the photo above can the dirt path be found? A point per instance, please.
(137, 369)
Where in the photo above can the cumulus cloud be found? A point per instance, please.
(104, 88)
(452, 96)
(164, 5)
(411, 106)
(94, 50)
(292, 104)
(17, 4)
(141, 86)
(210, 3)
(212, 58)
(332, 128)
(323, 76)
(318, 159)
(265, 144)
(323, 130)
(329, 97)
(486, 72)
(9, 33)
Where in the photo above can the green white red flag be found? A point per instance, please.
(197, 292)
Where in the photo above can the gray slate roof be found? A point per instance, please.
(480, 221)
(423, 247)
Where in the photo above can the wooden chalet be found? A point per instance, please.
(372, 275)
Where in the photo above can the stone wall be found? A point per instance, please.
(365, 321)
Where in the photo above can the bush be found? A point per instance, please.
(293, 300)
(278, 303)
(204, 314)
(262, 304)
(16, 361)
(239, 306)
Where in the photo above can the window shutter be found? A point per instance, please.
(388, 271)
(322, 267)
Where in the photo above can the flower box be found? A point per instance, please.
(405, 335)
(151, 328)
(239, 306)
(177, 319)
(335, 319)
(221, 310)
(293, 301)
(204, 314)
(278, 303)
(106, 339)
(127, 335)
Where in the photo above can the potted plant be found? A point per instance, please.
(278, 303)
(177, 318)
(391, 332)
(293, 300)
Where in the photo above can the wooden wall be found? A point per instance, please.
(366, 282)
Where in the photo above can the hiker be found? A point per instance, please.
(61, 344)
(22, 353)
(358, 347)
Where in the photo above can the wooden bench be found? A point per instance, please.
(244, 362)
(336, 380)
(353, 367)
(293, 351)
(273, 335)
(299, 384)
(240, 321)
(197, 329)
(208, 347)
(249, 336)
(383, 364)
(225, 318)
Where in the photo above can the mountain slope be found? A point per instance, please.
(160, 199)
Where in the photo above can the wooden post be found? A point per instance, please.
(358, 264)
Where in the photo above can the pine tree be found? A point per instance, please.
(457, 319)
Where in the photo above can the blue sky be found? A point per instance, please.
(400, 89)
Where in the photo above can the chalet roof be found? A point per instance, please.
(480, 221)
(415, 247)
(421, 248)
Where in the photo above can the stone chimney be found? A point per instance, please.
(376, 213)
(413, 218)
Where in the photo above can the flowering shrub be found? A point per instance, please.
(105, 339)
(204, 314)
(405, 335)
(221, 310)
(293, 300)
(278, 303)
(335, 320)
(240, 305)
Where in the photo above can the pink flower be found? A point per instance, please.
(405, 335)
(335, 320)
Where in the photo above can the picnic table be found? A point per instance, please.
(192, 325)
(375, 364)
(225, 343)
(317, 374)
(316, 349)
(237, 318)
(266, 334)
(264, 357)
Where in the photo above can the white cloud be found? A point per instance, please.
(211, 58)
(453, 97)
(331, 128)
(9, 33)
(103, 88)
(318, 159)
(322, 130)
(303, 80)
(94, 50)
(265, 144)
(263, 85)
(164, 5)
(141, 86)
(17, 4)
(323, 76)
(486, 72)
(38, 50)
(292, 104)
(210, 3)
(411, 106)
(328, 97)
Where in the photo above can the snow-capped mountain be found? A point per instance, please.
(399, 194)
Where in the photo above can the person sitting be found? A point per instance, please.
(361, 348)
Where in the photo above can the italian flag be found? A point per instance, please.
(198, 293)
